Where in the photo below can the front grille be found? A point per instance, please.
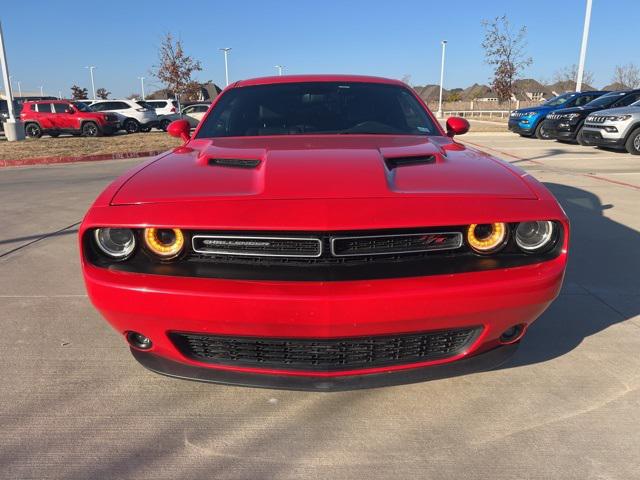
(260, 246)
(325, 354)
(596, 119)
(554, 116)
(395, 244)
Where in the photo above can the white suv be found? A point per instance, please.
(133, 117)
(615, 127)
(167, 111)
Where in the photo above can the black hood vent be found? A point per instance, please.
(233, 162)
(396, 162)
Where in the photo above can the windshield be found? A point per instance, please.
(606, 100)
(559, 100)
(317, 108)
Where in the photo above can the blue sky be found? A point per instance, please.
(49, 43)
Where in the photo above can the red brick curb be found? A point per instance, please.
(78, 158)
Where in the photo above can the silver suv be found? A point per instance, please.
(616, 128)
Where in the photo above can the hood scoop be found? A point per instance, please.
(233, 163)
(396, 162)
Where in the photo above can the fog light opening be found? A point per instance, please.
(513, 334)
(139, 341)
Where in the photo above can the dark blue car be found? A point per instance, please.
(529, 121)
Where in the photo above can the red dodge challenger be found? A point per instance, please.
(323, 232)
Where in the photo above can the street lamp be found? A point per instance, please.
(226, 63)
(41, 91)
(93, 85)
(280, 69)
(142, 86)
(19, 89)
(444, 48)
(583, 48)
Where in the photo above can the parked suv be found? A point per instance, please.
(133, 117)
(566, 124)
(615, 127)
(54, 117)
(167, 111)
(529, 121)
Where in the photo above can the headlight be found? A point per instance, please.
(618, 118)
(115, 242)
(486, 237)
(532, 236)
(164, 242)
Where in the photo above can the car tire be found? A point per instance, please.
(540, 132)
(32, 130)
(580, 139)
(164, 124)
(90, 129)
(633, 142)
(131, 125)
(145, 129)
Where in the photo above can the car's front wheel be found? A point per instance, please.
(131, 125)
(145, 129)
(32, 130)
(164, 124)
(633, 142)
(90, 129)
(580, 138)
(541, 132)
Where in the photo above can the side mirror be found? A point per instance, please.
(457, 126)
(180, 129)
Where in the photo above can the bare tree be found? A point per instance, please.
(102, 93)
(406, 78)
(627, 75)
(133, 96)
(79, 93)
(570, 74)
(175, 68)
(504, 48)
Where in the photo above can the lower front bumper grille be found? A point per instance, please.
(325, 354)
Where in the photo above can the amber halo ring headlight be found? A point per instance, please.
(164, 242)
(116, 243)
(486, 237)
(534, 236)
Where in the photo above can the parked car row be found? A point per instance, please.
(595, 118)
(103, 117)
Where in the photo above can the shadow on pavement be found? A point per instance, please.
(600, 287)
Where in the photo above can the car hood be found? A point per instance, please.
(321, 167)
(621, 111)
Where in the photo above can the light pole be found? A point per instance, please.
(60, 94)
(41, 90)
(226, 64)
(142, 86)
(19, 89)
(93, 85)
(583, 48)
(13, 129)
(444, 48)
(280, 69)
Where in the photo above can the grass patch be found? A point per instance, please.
(72, 146)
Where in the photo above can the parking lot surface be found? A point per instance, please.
(75, 405)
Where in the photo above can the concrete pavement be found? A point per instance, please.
(75, 405)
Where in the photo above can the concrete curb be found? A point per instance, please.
(78, 158)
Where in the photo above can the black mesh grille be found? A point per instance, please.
(324, 354)
(258, 246)
(390, 244)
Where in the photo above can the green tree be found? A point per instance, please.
(79, 93)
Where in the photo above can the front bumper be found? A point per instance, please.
(595, 138)
(478, 363)
(155, 305)
(517, 126)
(560, 129)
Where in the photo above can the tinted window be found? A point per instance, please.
(99, 107)
(607, 99)
(119, 106)
(60, 107)
(318, 108)
(44, 107)
(628, 100)
(156, 104)
(559, 100)
(583, 100)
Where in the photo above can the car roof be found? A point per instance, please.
(315, 78)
